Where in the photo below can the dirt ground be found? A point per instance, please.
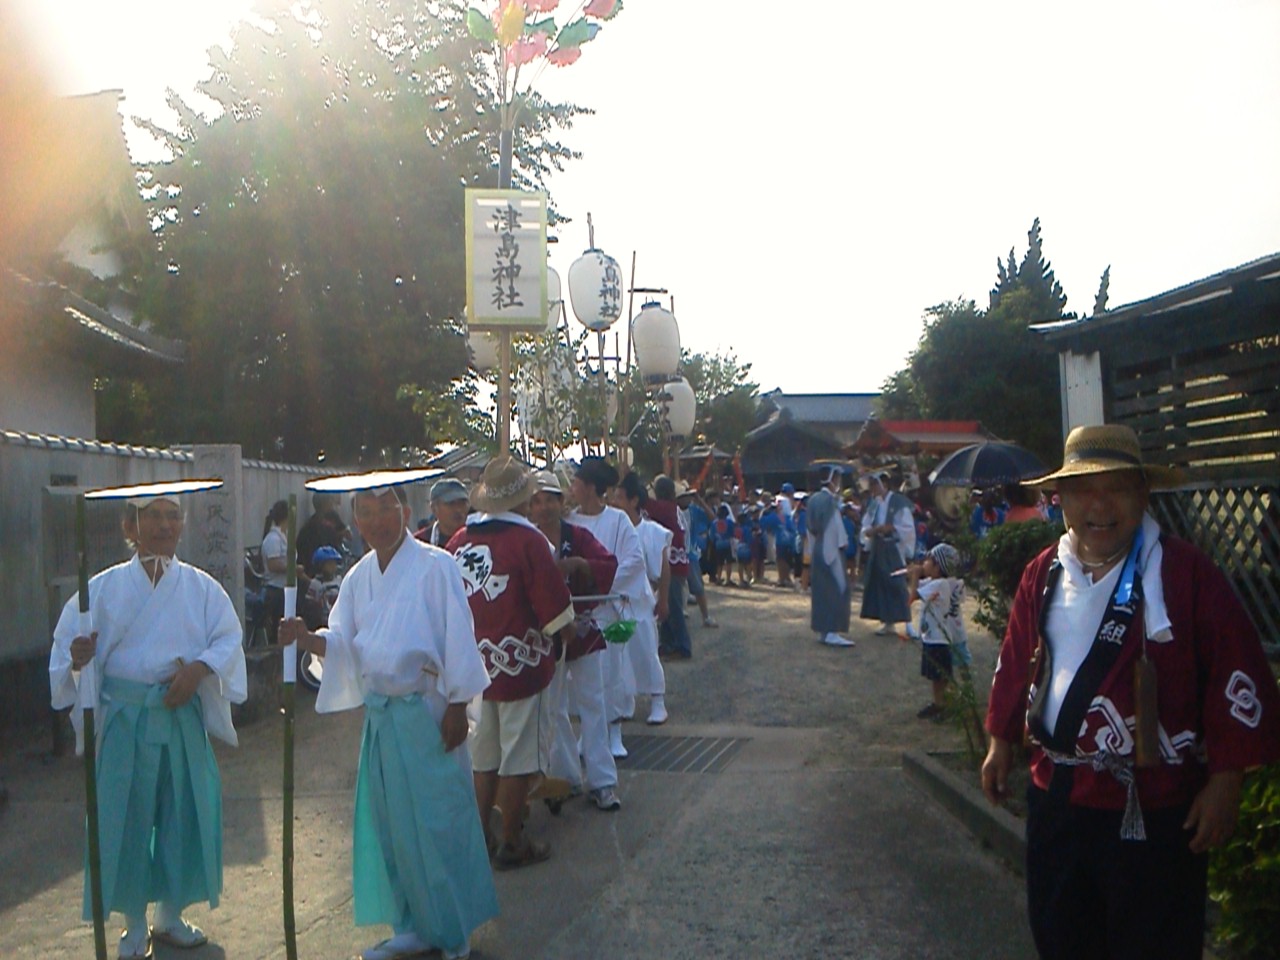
(849, 714)
(775, 673)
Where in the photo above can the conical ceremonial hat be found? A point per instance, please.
(376, 482)
(140, 494)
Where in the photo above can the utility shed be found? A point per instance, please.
(1195, 371)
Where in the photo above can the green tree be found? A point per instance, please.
(987, 365)
(726, 397)
(309, 239)
(1104, 289)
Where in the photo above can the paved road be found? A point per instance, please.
(809, 843)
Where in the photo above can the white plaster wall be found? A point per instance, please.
(44, 393)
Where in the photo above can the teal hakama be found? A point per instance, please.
(419, 860)
(159, 802)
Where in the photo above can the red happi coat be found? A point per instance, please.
(578, 541)
(518, 600)
(1218, 704)
(667, 513)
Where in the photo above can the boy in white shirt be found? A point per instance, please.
(938, 586)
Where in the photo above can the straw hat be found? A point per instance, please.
(505, 483)
(548, 482)
(1107, 448)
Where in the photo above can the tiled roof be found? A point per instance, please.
(824, 407)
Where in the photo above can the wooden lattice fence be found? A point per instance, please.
(1238, 524)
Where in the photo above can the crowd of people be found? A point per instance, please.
(535, 597)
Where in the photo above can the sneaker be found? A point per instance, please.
(835, 640)
(605, 798)
(181, 934)
(460, 954)
(136, 944)
(885, 630)
(401, 945)
(929, 712)
(911, 634)
(710, 623)
(657, 712)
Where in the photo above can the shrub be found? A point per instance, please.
(1002, 555)
(1244, 876)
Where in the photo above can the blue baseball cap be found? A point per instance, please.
(788, 487)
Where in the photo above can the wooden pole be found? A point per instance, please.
(290, 687)
(88, 697)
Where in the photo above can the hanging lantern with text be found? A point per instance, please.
(656, 337)
(595, 290)
(678, 408)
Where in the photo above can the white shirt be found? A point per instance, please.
(274, 546)
(401, 631)
(613, 529)
(146, 632)
(1078, 605)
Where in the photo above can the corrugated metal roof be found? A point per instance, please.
(1264, 269)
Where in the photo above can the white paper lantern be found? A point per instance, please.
(484, 350)
(595, 290)
(679, 407)
(656, 337)
(554, 301)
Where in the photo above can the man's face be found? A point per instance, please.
(450, 514)
(381, 520)
(1103, 510)
(544, 509)
(156, 528)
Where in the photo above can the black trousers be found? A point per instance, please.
(1091, 894)
(273, 601)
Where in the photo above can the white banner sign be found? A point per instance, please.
(506, 260)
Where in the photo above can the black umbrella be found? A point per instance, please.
(987, 465)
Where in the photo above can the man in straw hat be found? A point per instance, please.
(1140, 682)
(169, 662)
(400, 642)
(520, 603)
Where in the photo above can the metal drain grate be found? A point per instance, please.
(680, 754)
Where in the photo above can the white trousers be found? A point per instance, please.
(619, 681)
(646, 668)
(581, 682)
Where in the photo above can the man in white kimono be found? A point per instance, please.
(164, 634)
(828, 581)
(613, 529)
(400, 642)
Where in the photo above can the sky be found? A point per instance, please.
(807, 179)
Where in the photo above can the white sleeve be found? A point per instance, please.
(224, 654)
(904, 525)
(340, 687)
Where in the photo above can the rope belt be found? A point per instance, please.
(1132, 826)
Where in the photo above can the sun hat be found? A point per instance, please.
(548, 482)
(448, 490)
(683, 489)
(505, 483)
(1106, 448)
